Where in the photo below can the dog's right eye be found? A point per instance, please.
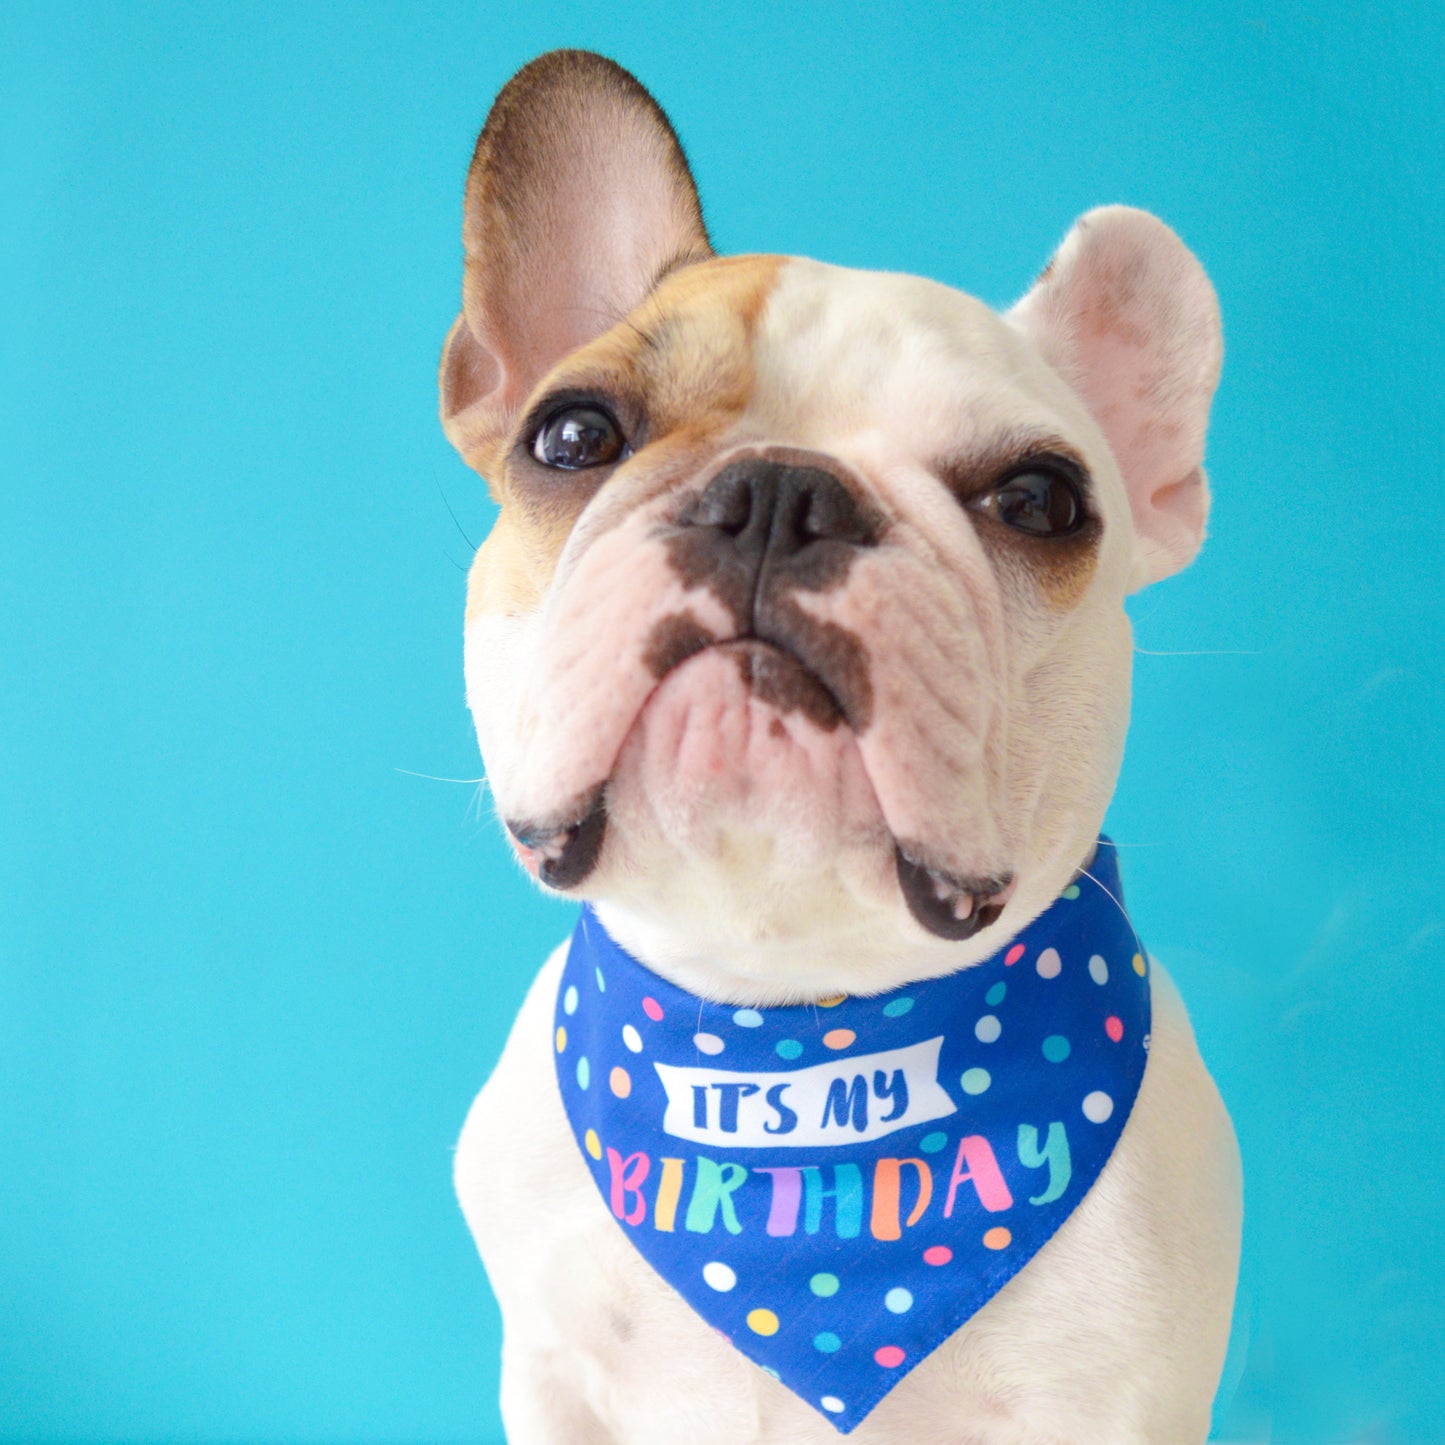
(578, 437)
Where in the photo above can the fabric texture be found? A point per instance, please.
(837, 1187)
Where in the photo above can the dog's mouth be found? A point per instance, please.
(563, 856)
(948, 906)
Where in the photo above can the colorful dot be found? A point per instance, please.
(620, 1082)
(1097, 1106)
(561, 1038)
(832, 1002)
(652, 1009)
(601, 982)
(937, 1254)
(987, 1029)
(632, 1038)
(584, 1072)
(832, 1404)
(789, 1049)
(1071, 892)
(708, 1043)
(824, 1285)
(997, 1238)
(1098, 970)
(766, 1369)
(898, 1300)
(897, 1007)
(932, 1143)
(762, 1322)
(569, 999)
(995, 996)
(1139, 964)
(1056, 1048)
(593, 1143)
(1114, 1027)
(890, 1357)
(1013, 955)
(976, 1081)
(748, 1018)
(1049, 963)
(827, 1342)
(719, 1276)
(838, 1038)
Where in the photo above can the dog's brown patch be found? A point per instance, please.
(672, 641)
(677, 373)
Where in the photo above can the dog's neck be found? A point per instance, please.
(811, 942)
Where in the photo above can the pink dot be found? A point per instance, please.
(890, 1357)
(937, 1254)
(1013, 955)
(652, 1009)
(1114, 1027)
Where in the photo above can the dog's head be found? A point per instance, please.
(799, 641)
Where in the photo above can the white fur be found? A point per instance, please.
(996, 741)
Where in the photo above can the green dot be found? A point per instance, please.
(1056, 1048)
(994, 996)
(789, 1049)
(932, 1143)
(897, 1008)
(975, 1081)
(824, 1285)
(827, 1342)
(1071, 892)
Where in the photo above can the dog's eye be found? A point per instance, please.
(1041, 502)
(577, 437)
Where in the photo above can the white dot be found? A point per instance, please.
(987, 1029)
(569, 999)
(899, 1300)
(1049, 963)
(1098, 970)
(1097, 1106)
(719, 1276)
(632, 1038)
(832, 1404)
(708, 1043)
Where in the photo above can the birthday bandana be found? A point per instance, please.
(837, 1187)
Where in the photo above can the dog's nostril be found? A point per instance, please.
(727, 504)
(774, 508)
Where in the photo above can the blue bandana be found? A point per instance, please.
(838, 1187)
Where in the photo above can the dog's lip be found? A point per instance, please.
(948, 905)
(564, 853)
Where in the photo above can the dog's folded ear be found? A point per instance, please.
(1126, 314)
(578, 200)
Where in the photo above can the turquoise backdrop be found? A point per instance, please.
(255, 961)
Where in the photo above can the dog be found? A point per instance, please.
(797, 651)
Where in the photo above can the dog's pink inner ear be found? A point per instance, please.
(578, 200)
(1129, 318)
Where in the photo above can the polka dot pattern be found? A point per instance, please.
(759, 1247)
(719, 1276)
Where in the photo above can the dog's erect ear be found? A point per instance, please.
(578, 200)
(1129, 318)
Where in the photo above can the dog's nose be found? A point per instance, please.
(765, 514)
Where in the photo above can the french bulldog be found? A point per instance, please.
(798, 652)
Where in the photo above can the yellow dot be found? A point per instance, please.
(763, 1322)
(1139, 964)
(838, 1038)
(561, 1038)
(832, 1002)
(621, 1082)
(997, 1238)
(593, 1143)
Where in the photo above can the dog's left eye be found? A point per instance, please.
(1043, 502)
(578, 437)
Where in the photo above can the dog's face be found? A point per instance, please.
(799, 641)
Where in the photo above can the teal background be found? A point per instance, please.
(253, 968)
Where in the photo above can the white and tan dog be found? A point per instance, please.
(799, 648)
